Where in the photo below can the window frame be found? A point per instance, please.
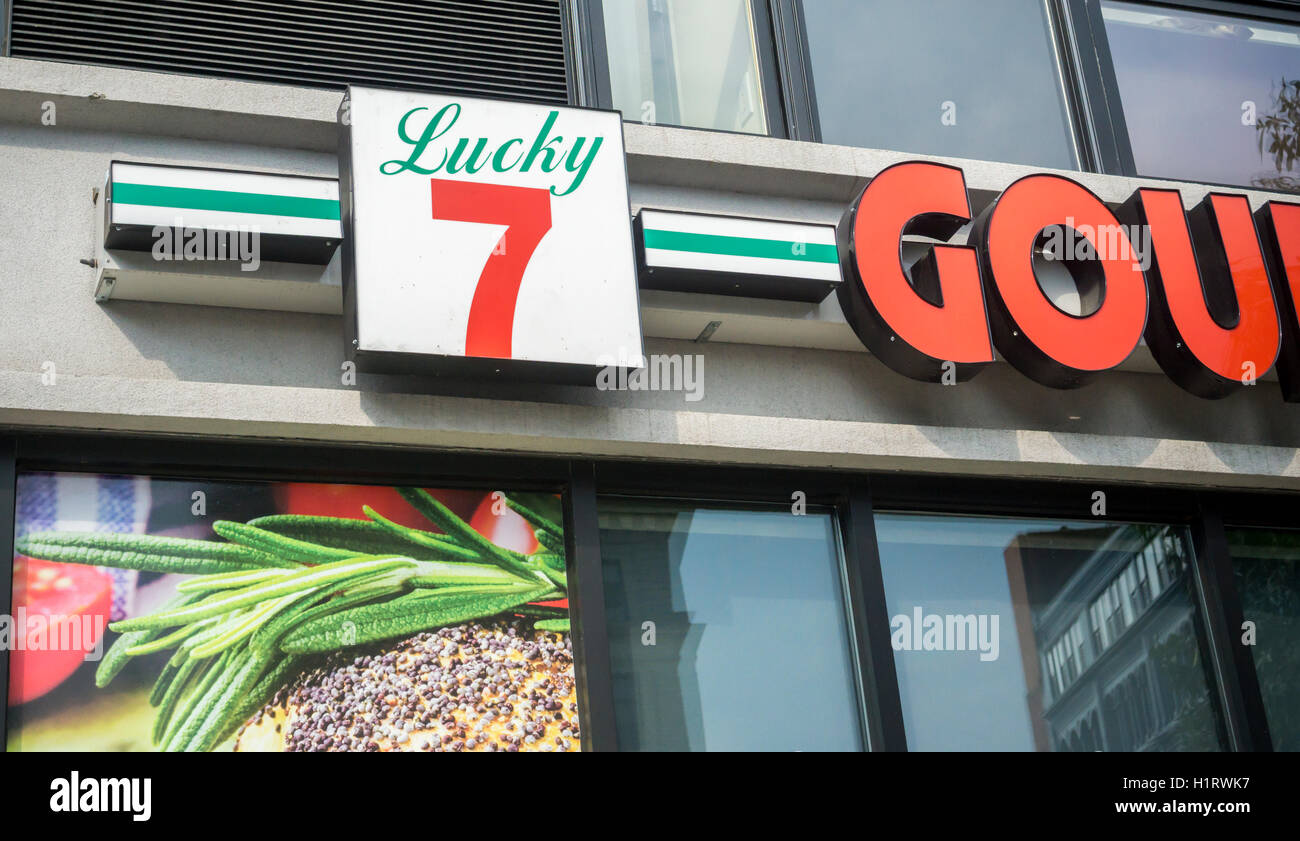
(6, 21)
(854, 495)
(596, 87)
(799, 89)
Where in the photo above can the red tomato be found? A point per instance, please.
(62, 593)
(347, 500)
(506, 528)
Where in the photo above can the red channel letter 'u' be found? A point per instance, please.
(1219, 353)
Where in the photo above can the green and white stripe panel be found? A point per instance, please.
(283, 205)
(700, 242)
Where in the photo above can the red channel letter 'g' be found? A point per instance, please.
(938, 317)
(1045, 343)
(1203, 354)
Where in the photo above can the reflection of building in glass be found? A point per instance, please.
(1109, 648)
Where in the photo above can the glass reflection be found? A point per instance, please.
(1266, 566)
(727, 628)
(1094, 641)
(1208, 97)
(940, 77)
(685, 63)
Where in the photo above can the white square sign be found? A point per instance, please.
(486, 236)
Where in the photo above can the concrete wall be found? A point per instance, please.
(145, 367)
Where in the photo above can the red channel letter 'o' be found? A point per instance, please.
(933, 325)
(1279, 227)
(1047, 344)
(1208, 356)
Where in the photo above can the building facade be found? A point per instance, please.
(805, 525)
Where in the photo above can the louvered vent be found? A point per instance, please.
(510, 49)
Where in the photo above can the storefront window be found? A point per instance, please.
(1045, 635)
(1208, 97)
(727, 628)
(165, 614)
(970, 80)
(1266, 564)
(685, 63)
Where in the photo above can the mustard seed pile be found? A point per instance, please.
(497, 685)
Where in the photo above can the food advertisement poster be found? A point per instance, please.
(176, 615)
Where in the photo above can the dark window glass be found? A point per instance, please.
(1207, 97)
(1267, 569)
(1017, 634)
(940, 77)
(727, 628)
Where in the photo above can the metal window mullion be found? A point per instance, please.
(665, 87)
(6, 15)
(1065, 47)
(794, 70)
(1098, 88)
(865, 594)
(590, 633)
(1234, 664)
(769, 69)
(574, 53)
(589, 20)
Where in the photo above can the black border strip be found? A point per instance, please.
(865, 593)
(8, 493)
(1242, 701)
(587, 608)
(6, 36)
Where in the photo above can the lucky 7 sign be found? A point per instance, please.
(485, 237)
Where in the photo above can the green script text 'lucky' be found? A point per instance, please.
(548, 153)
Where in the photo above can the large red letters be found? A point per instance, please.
(1223, 286)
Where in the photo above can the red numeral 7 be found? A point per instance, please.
(526, 213)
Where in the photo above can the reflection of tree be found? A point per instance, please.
(1279, 137)
(1182, 675)
(1269, 585)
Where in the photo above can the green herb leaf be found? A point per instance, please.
(275, 544)
(167, 703)
(553, 542)
(559, 626)
(226, 601)
(144, 552)
(441, 545)
(442, 517)
(229, 580)
(400, 617)
(361, 537)
(182, 715)
(541, 611)
(534, 518)
(116, 658)
(276, 675)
